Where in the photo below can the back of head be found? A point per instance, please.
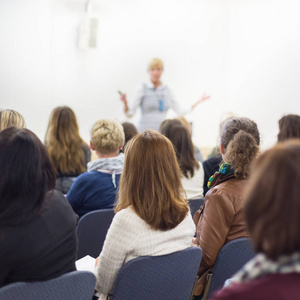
(273, 206)
(62, 124)
(129, 130)
(151, 181)
(63, 141)
(107, 136)
(289, 127)
(183, 145)
(240, 138)
(26, 175)
(9, 117)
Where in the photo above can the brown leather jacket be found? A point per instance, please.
(219, 221)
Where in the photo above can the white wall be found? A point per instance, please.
(245, 54)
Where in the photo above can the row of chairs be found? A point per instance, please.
(168, 277)
(138, 279)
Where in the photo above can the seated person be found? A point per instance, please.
(37, 225)
(130, 131)
(289, 128)
(152, 214)
(67, 150)
(221, 218)
(9, 117)
(272, 215)
(97, 188)
(192, 174)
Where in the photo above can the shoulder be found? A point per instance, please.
(129, 217)
(232, 188)
(267, 287)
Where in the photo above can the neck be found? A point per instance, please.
(156, 84)
(102, 155)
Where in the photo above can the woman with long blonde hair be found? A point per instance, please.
(152, 215)
(67, 150)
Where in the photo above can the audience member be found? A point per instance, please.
(221, 219)
(289, 127)
(272, 215)
(130, 131)
(97, 188)
(152, 215)
(9, 117)
(214, 160)
(67, 150)
(188, 126)
(191, 170)
(37, 225)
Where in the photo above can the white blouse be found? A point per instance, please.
(194, 186)
(129, 237)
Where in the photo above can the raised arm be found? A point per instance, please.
(203, 98)
(131, 106)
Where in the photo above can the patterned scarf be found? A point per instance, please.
(261, 266)
(110, 165)
(225, 169)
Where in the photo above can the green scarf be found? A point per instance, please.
(224, 169)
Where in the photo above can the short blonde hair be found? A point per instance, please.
(155, 62)
(107, 136)
(9, 117)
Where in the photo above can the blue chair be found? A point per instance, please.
(91, 232)
(168, 277)
(77, 285)
(195, 205)
(231, 258)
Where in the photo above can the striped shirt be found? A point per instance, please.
(154, 104)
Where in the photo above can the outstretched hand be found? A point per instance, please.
(203, 98)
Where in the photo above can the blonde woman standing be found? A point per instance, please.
(154, 99)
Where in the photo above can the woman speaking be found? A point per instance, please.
(154, 99)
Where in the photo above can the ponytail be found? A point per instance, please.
(241, 150)
(240, 138)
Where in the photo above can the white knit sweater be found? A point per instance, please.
(129, 237)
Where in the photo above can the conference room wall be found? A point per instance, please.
(243, 53)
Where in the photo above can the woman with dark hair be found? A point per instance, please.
(272, 216)
(289, 127)
(152, 215)
(192, 174)
(37, 225)
(67, 150)
(221, 218)
(130, 131)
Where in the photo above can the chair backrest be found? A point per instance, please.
(168, 277)
(91, 232)
(195, 205)
(231, 258)
(77, 285)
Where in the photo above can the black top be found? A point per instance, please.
(44, 247)
(210, 166)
